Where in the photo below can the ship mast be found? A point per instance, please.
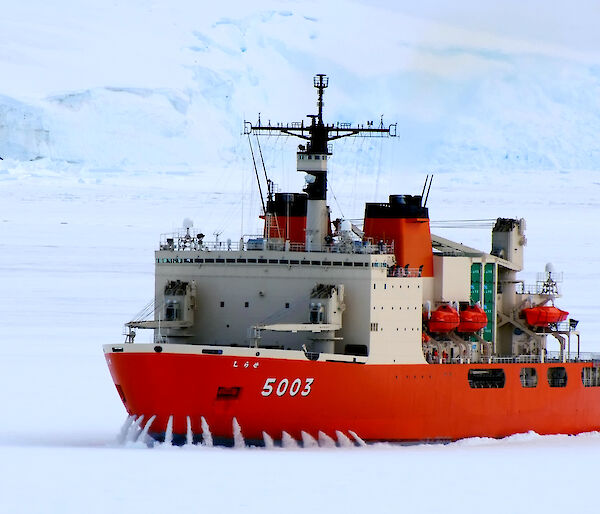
(312, 158)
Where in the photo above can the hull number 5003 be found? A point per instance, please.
(285, 386)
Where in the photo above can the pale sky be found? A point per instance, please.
(573, 24)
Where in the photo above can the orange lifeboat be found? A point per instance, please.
(544, 315)
(443, 320)
(472, 319)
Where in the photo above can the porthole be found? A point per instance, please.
(557, 376)
(528, 377)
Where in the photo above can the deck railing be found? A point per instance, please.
(528, 359)
(185, 240)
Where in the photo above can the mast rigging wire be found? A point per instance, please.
(262, 201)
(269, 188)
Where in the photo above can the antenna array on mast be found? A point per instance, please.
(318, 133)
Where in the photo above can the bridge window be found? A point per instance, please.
(486, 378)
(557, 377)
(529, 377)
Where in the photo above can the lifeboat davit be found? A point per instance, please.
(472, 319)
(443, 320)
(544, 315)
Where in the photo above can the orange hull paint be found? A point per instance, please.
(378, 402)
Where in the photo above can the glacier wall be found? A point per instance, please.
(149, 86)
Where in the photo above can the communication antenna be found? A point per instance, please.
(317, 133)
(424, 186)
(428, 189)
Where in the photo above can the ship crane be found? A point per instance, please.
(313, 156)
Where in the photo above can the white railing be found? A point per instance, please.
(544, 276)
(399, 271)
(516, 359)
(587, 357)
(551, 357)
(186, 240)
(538, 288)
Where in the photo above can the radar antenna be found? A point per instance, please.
(318, 133)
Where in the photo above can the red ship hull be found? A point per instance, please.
(377, 402)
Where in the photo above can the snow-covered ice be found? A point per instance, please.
(118, 120)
